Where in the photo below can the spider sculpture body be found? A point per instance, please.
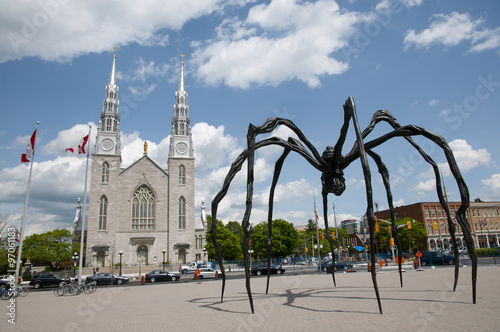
(331, 165)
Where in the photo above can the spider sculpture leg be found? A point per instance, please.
(248, 155)
(351, 109)
(407, 132)
(328, 235)
(384, 115)
(277, 171)
(385, 178)
(235, 168)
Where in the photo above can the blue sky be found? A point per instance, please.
(433, 64)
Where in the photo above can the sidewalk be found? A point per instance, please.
(294, 303)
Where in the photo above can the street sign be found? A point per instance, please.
(418, 254)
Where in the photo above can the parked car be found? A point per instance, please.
(47, 279)
(160, 275)
(206, 272)
(327, 266)
(436, 258)
(106, 279)
(262, 269)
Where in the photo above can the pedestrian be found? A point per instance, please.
(97, 269)
(94, 271)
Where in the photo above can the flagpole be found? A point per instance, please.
(82, 237)
(21, 233)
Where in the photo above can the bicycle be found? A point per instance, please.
(67, 289)
(88, 288)
(7, 292)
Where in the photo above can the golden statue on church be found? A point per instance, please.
(145, 147)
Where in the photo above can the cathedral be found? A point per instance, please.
(143, 214)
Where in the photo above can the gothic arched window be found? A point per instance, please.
(182, 175)
(103, 212)
(182, 213)
(105, 172)
(143, 209)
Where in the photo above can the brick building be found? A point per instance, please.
(483, 217)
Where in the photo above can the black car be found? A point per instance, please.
(47, 279)
(327, 266)
(262, 269)
(160, 275)
(436, 258)
(106, 279)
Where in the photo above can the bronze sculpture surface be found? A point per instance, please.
(331, 165)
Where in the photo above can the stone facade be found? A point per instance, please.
(141, 214)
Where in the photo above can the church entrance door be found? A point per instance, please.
(142, 255)
(100, 259)
(182, 256)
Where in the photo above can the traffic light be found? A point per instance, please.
(333, 236)
(435, 225)
(340, 248)
(390, 230)
(376, 226)
(408, 224)
(322, 236)
(306, 249)
(391, 241)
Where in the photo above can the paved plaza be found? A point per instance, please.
(294, 303)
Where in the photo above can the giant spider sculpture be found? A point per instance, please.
(331, 165)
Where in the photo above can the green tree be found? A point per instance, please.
(414, 238)
(229, 243)
(410, 238)
(235, 228)
(285, 238)
(309, 237)
(50, 248)
(311, 227)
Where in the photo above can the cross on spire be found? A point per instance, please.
(115, 48)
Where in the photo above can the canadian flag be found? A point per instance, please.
(81, 147)
(26, 157)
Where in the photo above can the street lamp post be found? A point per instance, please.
(204, 253)
(75, 258)
(121, 254)
(163, 262)
(251, 258)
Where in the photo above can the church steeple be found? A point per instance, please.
(181, 144)
(108, 132)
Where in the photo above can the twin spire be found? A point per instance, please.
(112, 78)
(181, 81)
(108, 137)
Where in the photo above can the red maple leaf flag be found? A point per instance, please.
(81, 147)
(26, 157)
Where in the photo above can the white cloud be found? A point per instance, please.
(424, 186)
(433, 102)
(278, 42)
(72, 28)
(490, 39)
(212, 147)
(70, 138)
(386, 4)
(149, 74)
(492, 187)
(466, 157)
(412, 3)
(453, 29)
